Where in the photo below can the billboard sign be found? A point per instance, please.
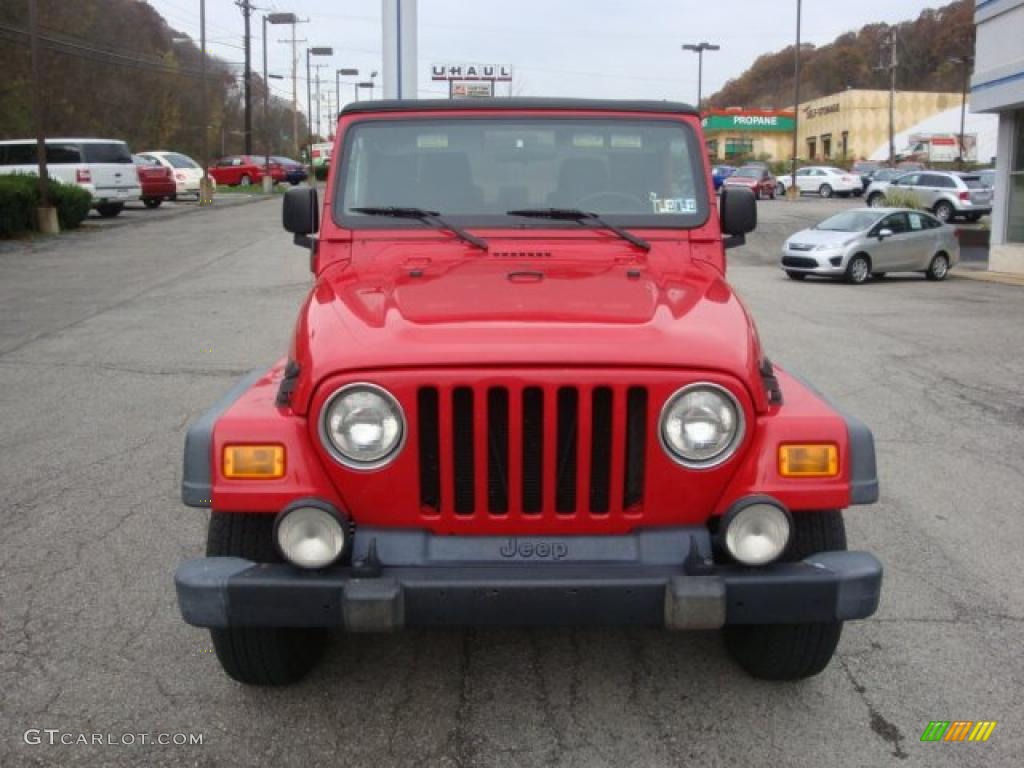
(501, 73)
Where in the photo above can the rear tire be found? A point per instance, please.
(109, 210)
(152, 202)
(793, 651)
(259, 655)
(877, 200)
(780, 190)
(796, 275)
(245, 181)
(938, 269)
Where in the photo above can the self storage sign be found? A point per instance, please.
(501, 73)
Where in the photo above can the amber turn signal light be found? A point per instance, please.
(808, 460)
(254, 462)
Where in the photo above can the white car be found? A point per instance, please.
(102, 167)
(823, 180)
(188, 174)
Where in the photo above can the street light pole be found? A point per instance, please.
(794, 191)
(347, 72)
(699, 49)
(205, 187)
(272, 18)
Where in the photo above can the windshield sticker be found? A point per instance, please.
(627, 142)
(673, 204)
(432, 141)
(587, 140)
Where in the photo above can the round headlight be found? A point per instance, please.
(310, 536)
(757, 533)
(701, 425)
(362, 426)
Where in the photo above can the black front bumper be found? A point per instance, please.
(228, 591)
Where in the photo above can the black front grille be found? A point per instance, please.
(571, 450)
(801, 262)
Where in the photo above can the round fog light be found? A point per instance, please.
(310, 536)
(757, 533)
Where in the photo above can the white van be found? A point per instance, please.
(103, 167)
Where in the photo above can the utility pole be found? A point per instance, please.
(893, 63)
(329, 95)
(794, 190)
(295, 82)
(247, 12)
(965, 62)
(320, 51)
(205, 188)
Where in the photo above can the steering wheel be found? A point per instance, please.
(633, 204)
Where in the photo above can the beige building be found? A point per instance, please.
(837, 129)
(852, 124)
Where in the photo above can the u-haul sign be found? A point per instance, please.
(501, 73)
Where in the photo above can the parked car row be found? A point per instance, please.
(113, 176)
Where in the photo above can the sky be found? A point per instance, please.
(584, 48)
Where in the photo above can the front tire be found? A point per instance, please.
(877, 200)
(245, 181)
(858, 270)
(825, 190)
(152, 202)
(259, 655)
(780, 190)
(793, 651)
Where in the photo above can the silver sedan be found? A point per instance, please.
(868, 242)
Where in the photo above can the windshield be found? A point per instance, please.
(849, 221)
(180, 161)
(634, 172)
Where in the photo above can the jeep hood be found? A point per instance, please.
(662, 310)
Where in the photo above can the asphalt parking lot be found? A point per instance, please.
(113, 339)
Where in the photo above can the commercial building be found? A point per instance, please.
(745, 133)
(998, 86)
(840, 128)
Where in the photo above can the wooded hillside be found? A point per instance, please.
(111, 70)
(924, 48)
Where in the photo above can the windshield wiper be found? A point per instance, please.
(428, 217)
(574, 214)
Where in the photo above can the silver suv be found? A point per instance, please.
(946, 194)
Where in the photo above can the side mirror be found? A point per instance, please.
(884, 233)
(738, 213)
(301, 214)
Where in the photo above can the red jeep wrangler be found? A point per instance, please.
(521, 392)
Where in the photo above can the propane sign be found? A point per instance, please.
(500, 73)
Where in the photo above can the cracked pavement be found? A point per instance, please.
(112, 340)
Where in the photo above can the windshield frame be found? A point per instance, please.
(502, 220)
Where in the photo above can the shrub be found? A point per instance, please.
(72, 204)
(320, 172)
(18, 194)
(902, 198)
(19, 198)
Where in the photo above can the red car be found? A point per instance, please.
(157, 181)
(521, 391)
(244, 170)
(758, 179)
